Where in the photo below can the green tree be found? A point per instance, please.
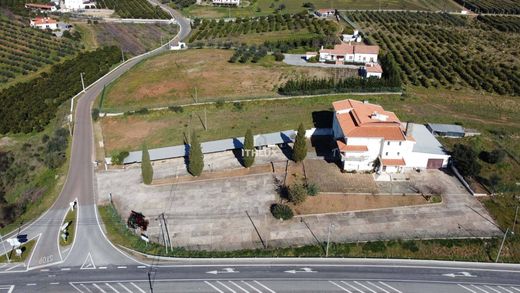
(146, 166)
(300, 145)
(249, 149)
(195, 156)
(465, 159)
(297, 193)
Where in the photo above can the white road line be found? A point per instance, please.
(491, 288)
(102, 268)
(341, 287)
(390, 287)
(355, 288)
(265, 287)
(11, 289)
(137, 287)
(258, 291)
(516, 289)
(368, 288)
(478, 288)
(379, 288)
(464, 287)
(55, 283)
(121, 267)
(86, 288)
(31, 284)
(3, 266)
(65, 269)
(44, 270)
(13, 267)
(508, 291)
(114, 289)
(224, 285)
(141, 267)
(211, 285)
(236, 285)
(123, 286)
(99, 288)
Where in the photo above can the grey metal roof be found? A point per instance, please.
(425, 141)
(213, 146)
(453, 128)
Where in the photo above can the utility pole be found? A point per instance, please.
(82, 81)
(6, 252)
(205, 120)
(122, 55)
(502, 245)
(514, 222)
(328, 240)
(150, 281)
(167, 236)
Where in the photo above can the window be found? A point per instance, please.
(386, 154)
(400, 143)
(387, 143)
(398, 153)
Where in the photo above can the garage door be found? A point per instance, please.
(434, 164)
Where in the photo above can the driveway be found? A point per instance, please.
(297, 60)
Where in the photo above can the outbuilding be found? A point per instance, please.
(446, 130)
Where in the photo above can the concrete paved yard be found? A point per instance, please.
(212, 214)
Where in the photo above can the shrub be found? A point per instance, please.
(118, 158)
(297, 193)
(281, 211)
(278, 56)
(238, 106)
(378, 246)
(176, 109)
(493, 157)
(195, 156)
(146, 167)
(410, 245)
(141, 111)
(465, 159)
(219, 104)
(312, 189)
(95, 114)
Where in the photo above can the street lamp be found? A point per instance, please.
(331, 226)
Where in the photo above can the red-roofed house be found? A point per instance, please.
(370, 138)
(372, 70)
(44, 23)
(40, 7)
(346, 52)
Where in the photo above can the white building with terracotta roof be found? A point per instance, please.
(44, 23)
(370, 138)
(325, 12)
(346, 52)
(372, 70)
(226, 2)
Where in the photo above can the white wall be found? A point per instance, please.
(420, 160)
(374, 74)
(366, 58)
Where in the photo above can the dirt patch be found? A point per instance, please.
(334, 203)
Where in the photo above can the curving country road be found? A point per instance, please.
(93, 264)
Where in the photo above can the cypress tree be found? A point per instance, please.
(146, 166)
(195, 156)
(249, 149)
(300, 145)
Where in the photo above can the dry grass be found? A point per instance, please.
(334, 203)
(199, 75)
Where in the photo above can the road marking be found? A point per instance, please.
(224, 271)
(368, 288)
(31, 284)
(99, 288)
(137, 287)
(102, 268)
(491, 288)
(14, 267)
(55, 283)
(88, 264)
(86, 288)
(390, 287)
(236, 285)
(508, 291)
(480, 289)
(515, 289)
(374, 285)
(44, 270)
(464, 287)
(341, 287)
(123, 286)
(114, 289)
(224, 285)
(265, 287)
(351, 286)
(11, 289)
(141, 267)
(121, 267)
(211, 285)
(258, 291)
(65, 269)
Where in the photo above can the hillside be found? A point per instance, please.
(24, 50)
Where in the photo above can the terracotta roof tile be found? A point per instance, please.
(351, 148)
(393, 162)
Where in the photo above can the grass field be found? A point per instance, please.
(27, 250)
(134, 38)
(197, 76)
(263, 7)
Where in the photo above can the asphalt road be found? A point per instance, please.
(93, 264)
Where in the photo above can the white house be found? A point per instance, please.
(346, 52)
(226, 2)
(71, 5)
(44, 23)
(355, 37)
(372, 70)
(372, 139)
(325, 12)
(41, 7)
